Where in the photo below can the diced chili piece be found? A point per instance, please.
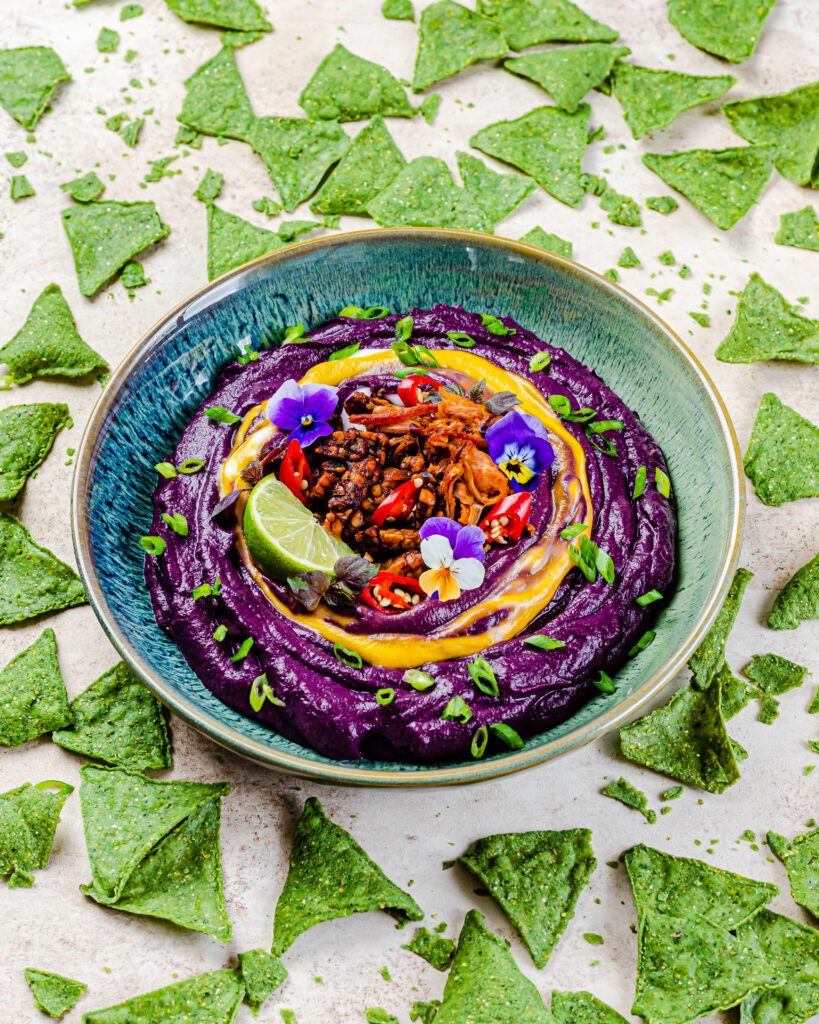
(504, 522)
(389, 592)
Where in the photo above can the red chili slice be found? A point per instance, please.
(383, 586)
(408, 389)
(505, 521)
(399, 503)
(385, 417)
(295, 472)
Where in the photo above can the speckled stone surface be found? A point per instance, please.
(52, 926)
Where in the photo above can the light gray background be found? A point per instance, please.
(52, 926)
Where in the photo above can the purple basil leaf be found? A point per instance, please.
(502, 402)
(354, 572)
(227, 502)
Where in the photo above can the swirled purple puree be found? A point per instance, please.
(330, 706)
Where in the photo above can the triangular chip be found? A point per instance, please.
(33, 700)
(766, 326)
(210, 998)
(727, 28)
(450, 38)
(783, 454)
(528, 22)
(496, 195)
(801, 860)
(723, 183)
(32, 580)
(546, 240)
(29, 816)
(774, 674)
(240, 15)
(331, 876)
(216, 102)
(799, 228)
(297, 153)
(27, 433)
(735, 694)
(583, 1008)
(104, 236)
(547, 144)
(792, 950)
(790, 123)
(707, 661)
(688, 968)
(537, 878)
(568, 73)
(485, 985)
(262, 973)
(345, 87)
(233, 241)
(119, 721)
(53, 994)
(651, 99)
(424, 194)
(372, 162)
(798, 599)
(48, 344)
(28, 77)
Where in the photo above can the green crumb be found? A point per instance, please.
(611, 275)
(628, 258)
(546, 240)
(21, 187)
(378, 1015)
(16, 159)
(685, 271)
(210, 186)
(593, 938)
(428, 107)
(798, 600)
(629, 795)
(266, 205)
(436, 950)
(621, 209)
(813, 708)
(667, 258)
(262, 973)
(451, 38)
(799, 228)
(782, 459)
(661, 297)
(398, 10)
(133, 275)
(662, 204)
(385, 973)
(159, 169)
(702, 319)
(768, 710)
(766, 326)
(130, 11)
(107, 40)
(672, 793)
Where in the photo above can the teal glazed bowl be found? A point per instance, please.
(156, 390)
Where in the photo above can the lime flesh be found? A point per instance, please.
(283, 537)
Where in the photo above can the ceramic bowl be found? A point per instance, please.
(154, 392)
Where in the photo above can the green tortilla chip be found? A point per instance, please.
(775, 674)
(32, 580)
(428, 107)
(782, 458)
(708, 659)
(345, 87)
(154, 847)
(372, 162)
(547, 144)
(398, 10)
(104, 236)
(21, 188)
(792, 950)
(768, 710)
(331, 876)
(629, 795)
(767, 327)
(528, 22)
(210, 998)
(238, 39)
(568, 74)
(688, 968)
(241, 15)
(29, 816)
(28, 77)
(790, 123)
(33, 700)
(297, 154)
(209, 187)
(723, 183)
(485, 985)
(84, 189)
(424, 194)
(800, 229)
(233, 241)
(685, 739)
(496, 195)
(262, 973)
(450, 38)
(651, 99)
(662, 204)
(726, 28)
(53, 994)
(119, 721)
(216, 102)
(799, 598)
(546, 240)
(537, 878)
(801, 860)
(735, 693)
(435, 949)
(27, 433)
(583, 1008)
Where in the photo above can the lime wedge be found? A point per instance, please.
(283, 537)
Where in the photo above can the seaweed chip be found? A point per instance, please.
(27, 433)
(262, 973)
(726, 28)
(33, 700)
(233, 241)
(651, 99)
(450, 38)
(28, 77)
(372, 162)
(708, 659)
(29, 816)
(32, 580)
(774, 674)
(104, 236)
(239, 15)
(210, 998)
(528, 22)
(85, 188)
(583, 1008)
(435, 949)
(792, 950)
(799, 228)
(154, 847)
(801, 860)
(735, 693)
(496, 195)
(766, 326)
(424, 194)
(48, 344)
(568, 74)
(723, 183)
(331, 876)
(119, 721)
(629, 795)
(536, 877)
(789, 122)
(798, 599)
(782, 458)
(53, 994)
(216, 102)
(547, 144)
(345, 87)
(485, 985)
(546, 240)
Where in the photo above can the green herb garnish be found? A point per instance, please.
(190, 466)
(494, 326)
(457, 710)
(649, 597)
(220, 633)
(461, 339)
(347, 657)
(370, 313)
(663, 483)
(203, 590)
(345, 353)
(605, 684)
(153, 545)
(403, 329)
(507, 735)
(540, 361)
(639, 482)
(642, 643)
(260, 691)
(221, 414)
(243, 651)
(177, 522)
(384, 696)
(483, 677)
(418, 680)
(479, 741)
(165, 469)
(544, 643)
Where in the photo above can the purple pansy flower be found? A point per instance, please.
(519, 447)
(454, 555)
(303, 410)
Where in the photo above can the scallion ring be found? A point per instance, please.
(153, 545)
(479, 741)
(507, 735)
(165, 469)
(190, 466)
(540, 361)
(461, 339)
(649, 597)
(418, 680)
(385, 696)
(243, 651)
(347, 657)
(639, 482)
(483, 677)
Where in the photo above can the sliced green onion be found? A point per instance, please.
(560, 404)
(294, 333)
(375, 312)
(426, 358)
(405, 352)
(507, 735)
(457, 710)
(190, 466)
(418, 680)
(384, 696)
(260, 691)
(478, 745)
(540, 361)
(605, 683)
(347, 657)
(403, 328)
(243, 651)
(203, 590)
(602, 444)
(601, 425)
(221, 414)
(543, 643)
(642, 643)
(177, 522)
(649, 597)
(494, 326)
(352, 312)
(413, 371)
(461, 339)
(153, 545)
(580, 415)
(63, 788)
(216, 586)
(570, 532)
(220, 633)
(165, 469)
(345, 353)
(663, 483)
(588, 570)
(639, 482)
(484, 677)
(605, 565)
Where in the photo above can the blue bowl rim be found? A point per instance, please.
(347, 772)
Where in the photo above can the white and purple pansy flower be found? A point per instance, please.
(303, 410)
(454, 555)
(519, 447)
